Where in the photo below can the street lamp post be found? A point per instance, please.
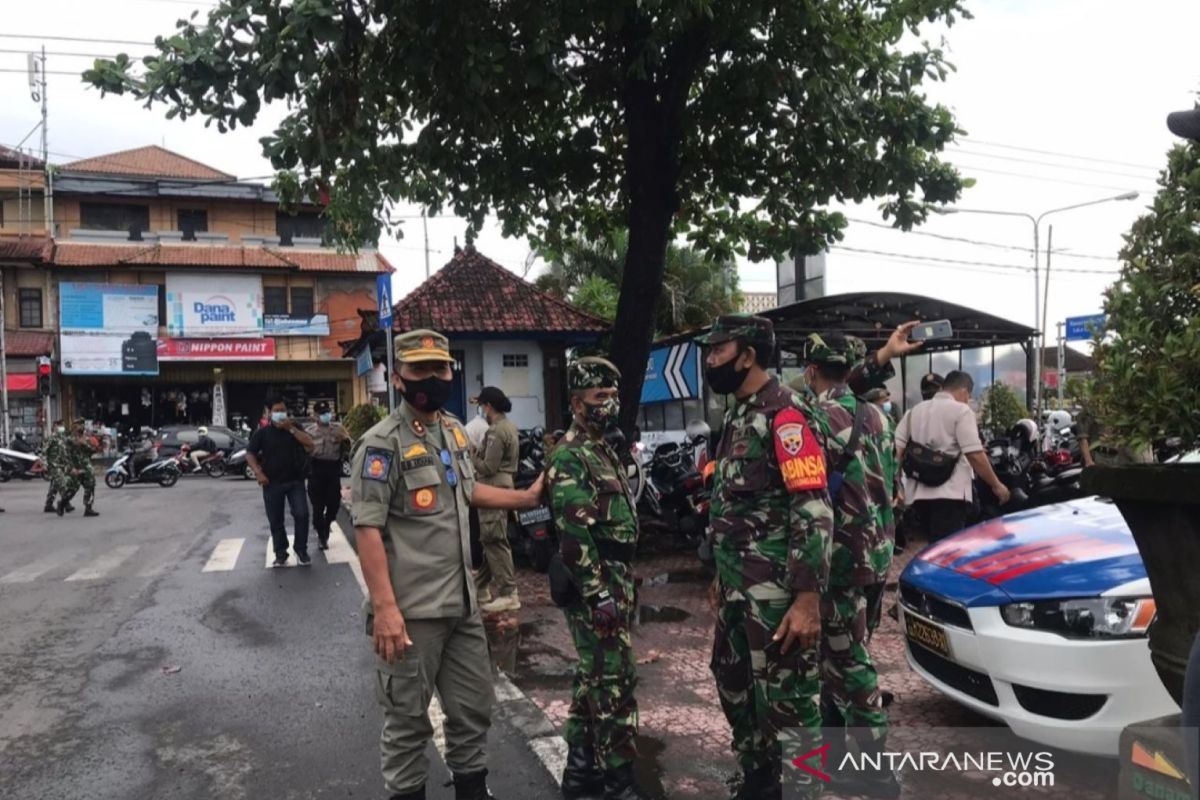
(1039, 321)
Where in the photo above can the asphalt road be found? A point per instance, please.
(150, 653)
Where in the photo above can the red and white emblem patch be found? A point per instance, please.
(791, 437)
(801, 460)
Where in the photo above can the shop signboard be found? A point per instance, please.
(296, 325)
(363, 361)
(216, 350)
(672, 373)
(203, 306)
(108, 328)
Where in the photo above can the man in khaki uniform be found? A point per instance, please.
(411, 483)
(495, 465)
(325, 474)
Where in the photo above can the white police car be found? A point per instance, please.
(1039, 619)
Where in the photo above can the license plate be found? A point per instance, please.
(535, 515)
(931, 637)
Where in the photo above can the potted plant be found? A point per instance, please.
(1148, 387)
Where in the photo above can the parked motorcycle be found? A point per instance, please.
(22, 465)
(675, 499)
(163, 471)
(532, 530)
(1033, 478)
(236, 464)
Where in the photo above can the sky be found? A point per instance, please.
(1062, 101)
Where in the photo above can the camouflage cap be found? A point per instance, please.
(422, 345)
(592, 372)
(835, 348)
(739, 326)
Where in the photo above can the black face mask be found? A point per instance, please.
(429, 394)
(726, 378)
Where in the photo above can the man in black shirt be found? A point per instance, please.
(278, 453)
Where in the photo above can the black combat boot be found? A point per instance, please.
(759, 784)
(619, 784)
(869, 781)
(472, 786)
(88, 511)
(415, 794)
(61, 508)
(49, 509)
(582, 779)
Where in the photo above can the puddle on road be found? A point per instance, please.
(661, 614)
(532, 665)
(648, 770)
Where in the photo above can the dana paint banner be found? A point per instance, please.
(201, 306)
(216, 350)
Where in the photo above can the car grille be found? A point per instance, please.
(956, 676)
(1059, 705)
(933, 607)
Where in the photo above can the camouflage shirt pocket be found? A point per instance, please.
(745, 476)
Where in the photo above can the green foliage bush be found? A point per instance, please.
(359, 419)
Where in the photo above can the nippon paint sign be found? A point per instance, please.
(200, 306)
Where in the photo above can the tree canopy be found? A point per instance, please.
(696, 289)
(1147, 353)
(734, 123)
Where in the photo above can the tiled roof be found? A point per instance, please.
(81, 254)
(152, 161)
(26, 248)
(11, 159)
(473, 294)
(28, 344)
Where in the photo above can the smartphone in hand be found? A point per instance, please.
(937, 329)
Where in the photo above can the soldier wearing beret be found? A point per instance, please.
(857, 439)
(771, 528)
(598, 530)
(412, 483)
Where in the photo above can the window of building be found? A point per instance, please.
(114, 217)
(516, 360)
(307, 224)
(30, 301)
(191, 222)
(302, 301)
(275, 300)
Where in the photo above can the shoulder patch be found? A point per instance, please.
(377, 464)
(416, 450)
(801, 460)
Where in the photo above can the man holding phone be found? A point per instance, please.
(278, 454)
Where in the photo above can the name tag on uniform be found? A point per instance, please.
(377, 464)
(416, 463)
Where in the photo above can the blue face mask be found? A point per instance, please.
(887, 406)
(278, 416)
(326, 418)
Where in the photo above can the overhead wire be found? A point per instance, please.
(1051, 164)
(1075, 156)
(964, 240)
(969, 168)
(966, 262)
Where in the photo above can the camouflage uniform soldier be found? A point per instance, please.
(594, 511)
(862, 486)
(78, 473)
(57, 457)
(771, 528)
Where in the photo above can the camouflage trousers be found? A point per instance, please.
(764, 692)
(58, 483)
(603, 709)
(87, 479)
(850, 684)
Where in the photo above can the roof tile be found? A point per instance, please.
(26, 248)
(28, 344)
(81, 254)
(152, 161)
(473, 294)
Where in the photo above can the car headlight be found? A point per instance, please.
(1084, 618)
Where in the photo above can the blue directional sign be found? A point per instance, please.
(1080, 328)
(383, 291)
(673, 373)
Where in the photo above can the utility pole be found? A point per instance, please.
(425, 227)
(49, 190)
(3, 366)
(1062, 363)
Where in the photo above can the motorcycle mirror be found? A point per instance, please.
(698, 428)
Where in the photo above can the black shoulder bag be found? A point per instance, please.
(837, 475)
(928, 466)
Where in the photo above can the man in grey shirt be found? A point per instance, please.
(946, 423)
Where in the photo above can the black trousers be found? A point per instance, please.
(275, 496)
(937, 519)
(325, 494)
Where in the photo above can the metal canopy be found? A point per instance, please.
(872, 316)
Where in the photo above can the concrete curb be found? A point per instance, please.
(512, 705)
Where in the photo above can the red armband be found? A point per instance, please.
(801, 460)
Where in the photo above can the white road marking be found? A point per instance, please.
(105, 564)
(552, 752)
(292, 560)
(31, 572)
(340, 552)
(224, 557)
(438, 718)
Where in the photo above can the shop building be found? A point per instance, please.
(171, 293)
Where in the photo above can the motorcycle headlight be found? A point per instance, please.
(1084, 618)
